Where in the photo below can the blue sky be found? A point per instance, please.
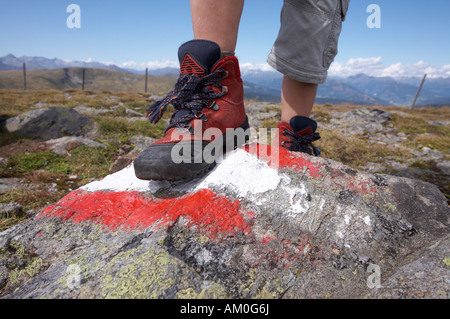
(413, 38)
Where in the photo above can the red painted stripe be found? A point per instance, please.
(277, 157)
(213, 214)
(281, 157)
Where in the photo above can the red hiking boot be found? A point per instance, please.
(209, 117)
(299, 135)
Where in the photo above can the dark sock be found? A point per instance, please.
(205, 53)
(299, 123)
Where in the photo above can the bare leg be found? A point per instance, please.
(297, 98)
(217, 21)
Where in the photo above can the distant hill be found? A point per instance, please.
(261, 93)
(109, 80)
(166, 72)
(334, 91)
(360, 89)
(344, 93)
(96, 80)
(386, 89)
(11, 62)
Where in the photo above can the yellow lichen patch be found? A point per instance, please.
(215, 291)
(20, 249)
(251, 287)
(34, 266)
(265, 294)
(27, 267)
(447, 261)
(145, 275)
(202, 239)
(247, 286)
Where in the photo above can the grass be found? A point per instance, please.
(120, 128)
(423, 165)
(423, 134)
(14, 102)
(97, 80)
(322, 116)
(356, 152)
(273, 108)
(412, 125)
(36, 199)
(431, 113)
(10, 221)
(438, 142)
(85, 162)
(44, 168)
(24, 163)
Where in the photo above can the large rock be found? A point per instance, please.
(8, 184)
(361, 121)
(62, 145)
(291, 226)
(51, 123)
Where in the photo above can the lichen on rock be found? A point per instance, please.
(308, 228)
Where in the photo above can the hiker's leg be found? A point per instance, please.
(304, 50)
(297, 98)
(218, 109)
(217, 21)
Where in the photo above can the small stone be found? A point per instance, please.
(10, 210)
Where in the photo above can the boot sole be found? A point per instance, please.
(151, 164)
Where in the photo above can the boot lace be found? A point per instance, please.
(191, 94)
(302, 143)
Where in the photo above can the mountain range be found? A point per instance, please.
(10, 62)
(362, 89)
(359, 89)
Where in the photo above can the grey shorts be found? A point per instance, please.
(308, 39)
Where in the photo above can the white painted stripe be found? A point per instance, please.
(240, 172)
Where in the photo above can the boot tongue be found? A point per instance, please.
(198, 56)
(303, 125)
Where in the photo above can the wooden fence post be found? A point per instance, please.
(84, 78)
(418, 92)
(24, 76)
(146, 79)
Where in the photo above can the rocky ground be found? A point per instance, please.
(362, 221)
(54, 142)
(413, 144)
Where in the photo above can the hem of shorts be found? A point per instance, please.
(302, 76)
